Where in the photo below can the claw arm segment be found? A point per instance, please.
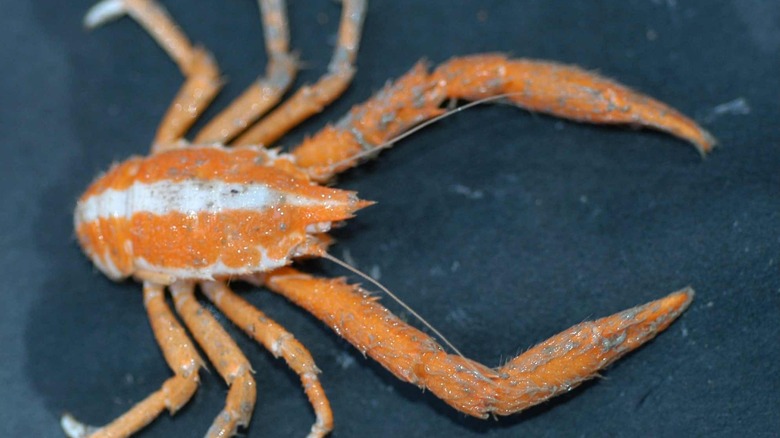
(224, 355)
(181, 356)
(399, 106)
(556, 89)
(265, 92)
(279, 342)
(552, 367)
(310, 100)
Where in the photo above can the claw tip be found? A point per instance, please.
(681, 299)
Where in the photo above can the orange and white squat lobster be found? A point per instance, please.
(200, 214)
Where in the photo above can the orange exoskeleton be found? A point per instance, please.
(193, 215)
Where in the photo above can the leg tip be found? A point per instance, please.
(104, 12)
(74, 428)
(706, 144)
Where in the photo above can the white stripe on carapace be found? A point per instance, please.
(188, 197)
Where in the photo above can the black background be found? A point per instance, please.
(500, 226)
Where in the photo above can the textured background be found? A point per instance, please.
(500, 226)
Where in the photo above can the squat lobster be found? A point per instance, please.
(197, 215)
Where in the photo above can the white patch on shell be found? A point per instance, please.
(189, 197)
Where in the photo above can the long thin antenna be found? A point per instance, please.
(356, 271)
(399, 137)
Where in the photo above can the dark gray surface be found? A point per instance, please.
(500, 226)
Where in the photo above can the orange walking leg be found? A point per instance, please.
(279, 342)
(181, 356)
(224, 355)
(553, 367)
(556, 89)
(310, 100)
(265, 92)
(201, 72)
